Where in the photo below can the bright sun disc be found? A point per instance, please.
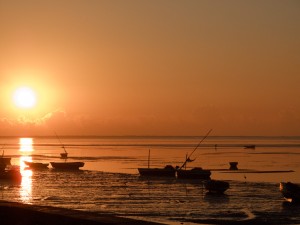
(24, 97)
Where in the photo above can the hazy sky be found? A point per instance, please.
(151, 67)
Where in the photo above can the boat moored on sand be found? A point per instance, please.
(195, 173)
(67, 165)
(36, 165)
(290, 191)
(216, 186)
(167, 171)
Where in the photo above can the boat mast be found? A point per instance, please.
(188, 158)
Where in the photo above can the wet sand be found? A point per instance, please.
(21, 214)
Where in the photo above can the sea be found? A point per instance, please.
(109, 182)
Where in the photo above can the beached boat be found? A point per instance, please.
(290, 191)
(216, 186)
(10, 175)
(195, 173)
(67, 165)
(36, 165)
(167, 171)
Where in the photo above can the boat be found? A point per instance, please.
(194, 173)
(167, 171)
(36, 165)
(67, 165)
(4, 161)
(290, 191)
(11, 175)
(216, 186)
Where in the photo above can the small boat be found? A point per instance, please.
(195, 173)
(167, 171)
(11, 175)
(216, 186)
(36, 165)
(290, 191)
(67, 165)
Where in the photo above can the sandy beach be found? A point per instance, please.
(16, 214)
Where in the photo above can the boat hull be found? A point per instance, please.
(36, 165)
(290, 191)
(195, 173)
(11, 175)
(216, 186)
(67, 165)
(157, 172)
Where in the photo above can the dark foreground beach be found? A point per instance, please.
(21, 214)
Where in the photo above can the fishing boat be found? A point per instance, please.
(4, 161)
(167, 171)
(290, 191)
(216, 186)
(36, 165)
(11, 174)
(194, 173)
(67, 165)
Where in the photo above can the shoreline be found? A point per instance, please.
(14, 213)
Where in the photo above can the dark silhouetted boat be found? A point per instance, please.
(167, 171)
(290, 191)
(67, 165)
(216, 186)
(4, 161)
(194, 173)
(11, 175)
(36, 165)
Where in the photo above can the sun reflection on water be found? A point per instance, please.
(26, 147)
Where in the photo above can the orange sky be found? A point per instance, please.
(151, 67)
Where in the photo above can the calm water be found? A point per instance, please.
(109, 181)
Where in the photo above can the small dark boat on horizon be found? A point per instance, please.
(290, 191)
(216, 186)
(67, 165)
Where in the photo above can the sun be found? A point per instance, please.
(24, 97)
